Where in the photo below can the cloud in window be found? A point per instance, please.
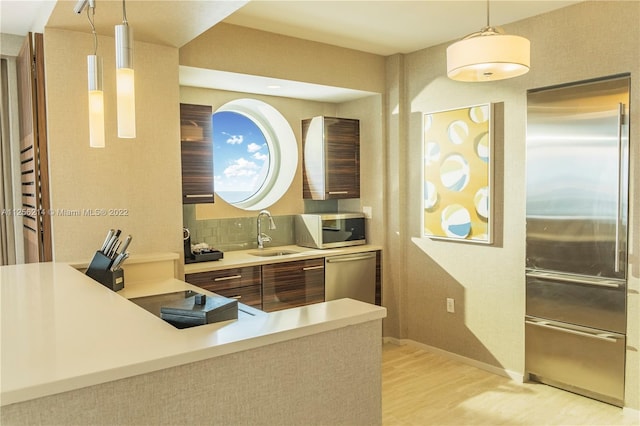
(253, 147)
(260, 157)
(241, 167)
(234, 139)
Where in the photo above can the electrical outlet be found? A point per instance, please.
(451, 307)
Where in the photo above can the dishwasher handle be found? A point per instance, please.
(350, 258)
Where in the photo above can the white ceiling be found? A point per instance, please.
(382, 27)
(385, 27)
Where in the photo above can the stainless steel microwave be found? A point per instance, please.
(329, 230)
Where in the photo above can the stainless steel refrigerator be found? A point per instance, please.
(577, 171)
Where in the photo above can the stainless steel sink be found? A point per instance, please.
(272, 252)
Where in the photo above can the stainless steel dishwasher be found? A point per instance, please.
(352, 276)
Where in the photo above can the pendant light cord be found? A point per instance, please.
(124, 14)
(488, 25)
(91, 17)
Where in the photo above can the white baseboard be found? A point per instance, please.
(515, 376)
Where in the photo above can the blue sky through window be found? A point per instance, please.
(240, 156)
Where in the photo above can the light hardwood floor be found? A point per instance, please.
(423, 388)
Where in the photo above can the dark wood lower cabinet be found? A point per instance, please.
(274, 286)
(243, 284)
(291, 284)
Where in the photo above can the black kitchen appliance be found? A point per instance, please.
(205, 255)
(184, 309)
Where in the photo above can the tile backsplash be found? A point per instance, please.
(237, 233)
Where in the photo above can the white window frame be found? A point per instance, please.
(283, 151)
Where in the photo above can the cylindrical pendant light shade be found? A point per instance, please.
(488, 57)
(125, 86)
(96, 102)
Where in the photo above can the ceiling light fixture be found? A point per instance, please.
(94, 72)
(488, 55)
(125, 81)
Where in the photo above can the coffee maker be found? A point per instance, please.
(186, 236)
(200, 254)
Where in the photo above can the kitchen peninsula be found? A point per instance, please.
(75, 352)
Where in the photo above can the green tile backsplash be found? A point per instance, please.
(237, 233)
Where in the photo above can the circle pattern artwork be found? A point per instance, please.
(458, 132)
(432, 153)
(482, 147)
(454, 172)
(456, 221)
(430, 195)
(481, 202)
(457, 154)
(479, 113)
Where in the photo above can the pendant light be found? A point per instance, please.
(96, 95)
(488, 55)
(125, 86)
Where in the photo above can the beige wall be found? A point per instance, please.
(242, 50)
(141, 175)
(487, 282)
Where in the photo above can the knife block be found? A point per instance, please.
(99, 271)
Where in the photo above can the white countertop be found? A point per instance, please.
(241, 258)
(133, 259)
(62, 331)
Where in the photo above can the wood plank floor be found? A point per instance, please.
(423, 388)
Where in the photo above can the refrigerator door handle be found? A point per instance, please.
(574, 280)
(607, 337)
(620, 187)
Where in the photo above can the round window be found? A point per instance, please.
(255, 154)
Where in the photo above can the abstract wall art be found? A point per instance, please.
(457, 172)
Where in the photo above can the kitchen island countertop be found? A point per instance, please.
(63, 331)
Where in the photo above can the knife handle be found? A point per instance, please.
(106, 241)
(126, 243)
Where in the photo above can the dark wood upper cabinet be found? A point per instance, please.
(331, 158)
(196, 147)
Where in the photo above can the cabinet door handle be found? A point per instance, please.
(230, 277)
(338, 192)
(311, 268)
(235, 297)
(198, 195)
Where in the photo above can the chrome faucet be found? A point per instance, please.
(262, 237)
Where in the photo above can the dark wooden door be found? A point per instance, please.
(339, 174)
(196, 149)
(243, 284)
(291, 284)
(343, 157)
(33, 151)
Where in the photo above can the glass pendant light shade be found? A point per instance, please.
(125, 86)
(487, 56)
(96, 102)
